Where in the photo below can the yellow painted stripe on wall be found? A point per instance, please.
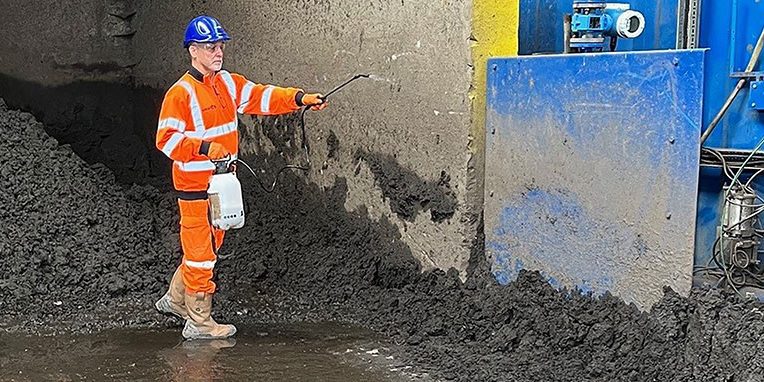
(495, 25)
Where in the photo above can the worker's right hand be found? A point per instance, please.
(314, 100)
(217, 151)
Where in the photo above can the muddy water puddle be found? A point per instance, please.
(304, 352)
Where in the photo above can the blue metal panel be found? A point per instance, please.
(743, 127)
(746, 27)
(541, 25)
(592, 169)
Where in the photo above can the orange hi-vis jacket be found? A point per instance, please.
(200, 109)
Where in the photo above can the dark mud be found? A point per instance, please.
(70, 236)
(332, 145)
(407, 193)
(80, 251)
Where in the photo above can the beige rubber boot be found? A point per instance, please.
(173, 302)
(200, 325)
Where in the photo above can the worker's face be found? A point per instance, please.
(208, 54)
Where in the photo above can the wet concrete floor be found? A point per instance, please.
(304, 352)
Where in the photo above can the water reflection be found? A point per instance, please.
(196, 360)
(307, 352)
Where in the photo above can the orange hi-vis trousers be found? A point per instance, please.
(200, 242)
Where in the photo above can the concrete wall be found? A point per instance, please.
(59, 42)
(70, 63)
(407, 141)
(419, 52)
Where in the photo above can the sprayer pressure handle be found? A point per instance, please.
(224, 165)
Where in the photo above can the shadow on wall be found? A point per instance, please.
(114, 124)
(407, 192)
(104, 122)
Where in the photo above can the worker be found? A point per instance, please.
(198, 124)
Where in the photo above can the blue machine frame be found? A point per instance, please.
(729, 30)
(541, 25)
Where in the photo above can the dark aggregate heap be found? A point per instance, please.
(69, 235)
(72, 242)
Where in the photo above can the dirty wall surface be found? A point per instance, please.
(82, 253)
(400, 138)
(70, 63)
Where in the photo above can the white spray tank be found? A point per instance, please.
(226, 203)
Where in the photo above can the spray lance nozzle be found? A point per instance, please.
(357, 76)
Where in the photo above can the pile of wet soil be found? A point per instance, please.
(302, 244)
(72, 240)
(70, 237)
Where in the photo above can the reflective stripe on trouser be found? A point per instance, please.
(200, 242)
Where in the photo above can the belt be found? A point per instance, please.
(191, 195)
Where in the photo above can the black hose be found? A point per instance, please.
(275, 180)
(305, 145)
(733, 275)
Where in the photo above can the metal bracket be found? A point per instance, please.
(693, 23)
(756, 95)
(758, 75)
(681, 24)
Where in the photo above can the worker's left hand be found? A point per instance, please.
(216, 151)
(314, 100)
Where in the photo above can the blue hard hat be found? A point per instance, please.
(204, 29)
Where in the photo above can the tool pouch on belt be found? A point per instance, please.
(224, 193)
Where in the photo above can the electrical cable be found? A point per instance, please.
(734, 203)
(731, 274)
(728, 172)
(727, 273)
(757, 173)
(719, 155)
(749, 217)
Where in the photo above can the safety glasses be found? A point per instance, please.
(210, 47)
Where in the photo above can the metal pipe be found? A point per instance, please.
(693, 23)
(566, 21)
(748, 69)
(681, 24)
